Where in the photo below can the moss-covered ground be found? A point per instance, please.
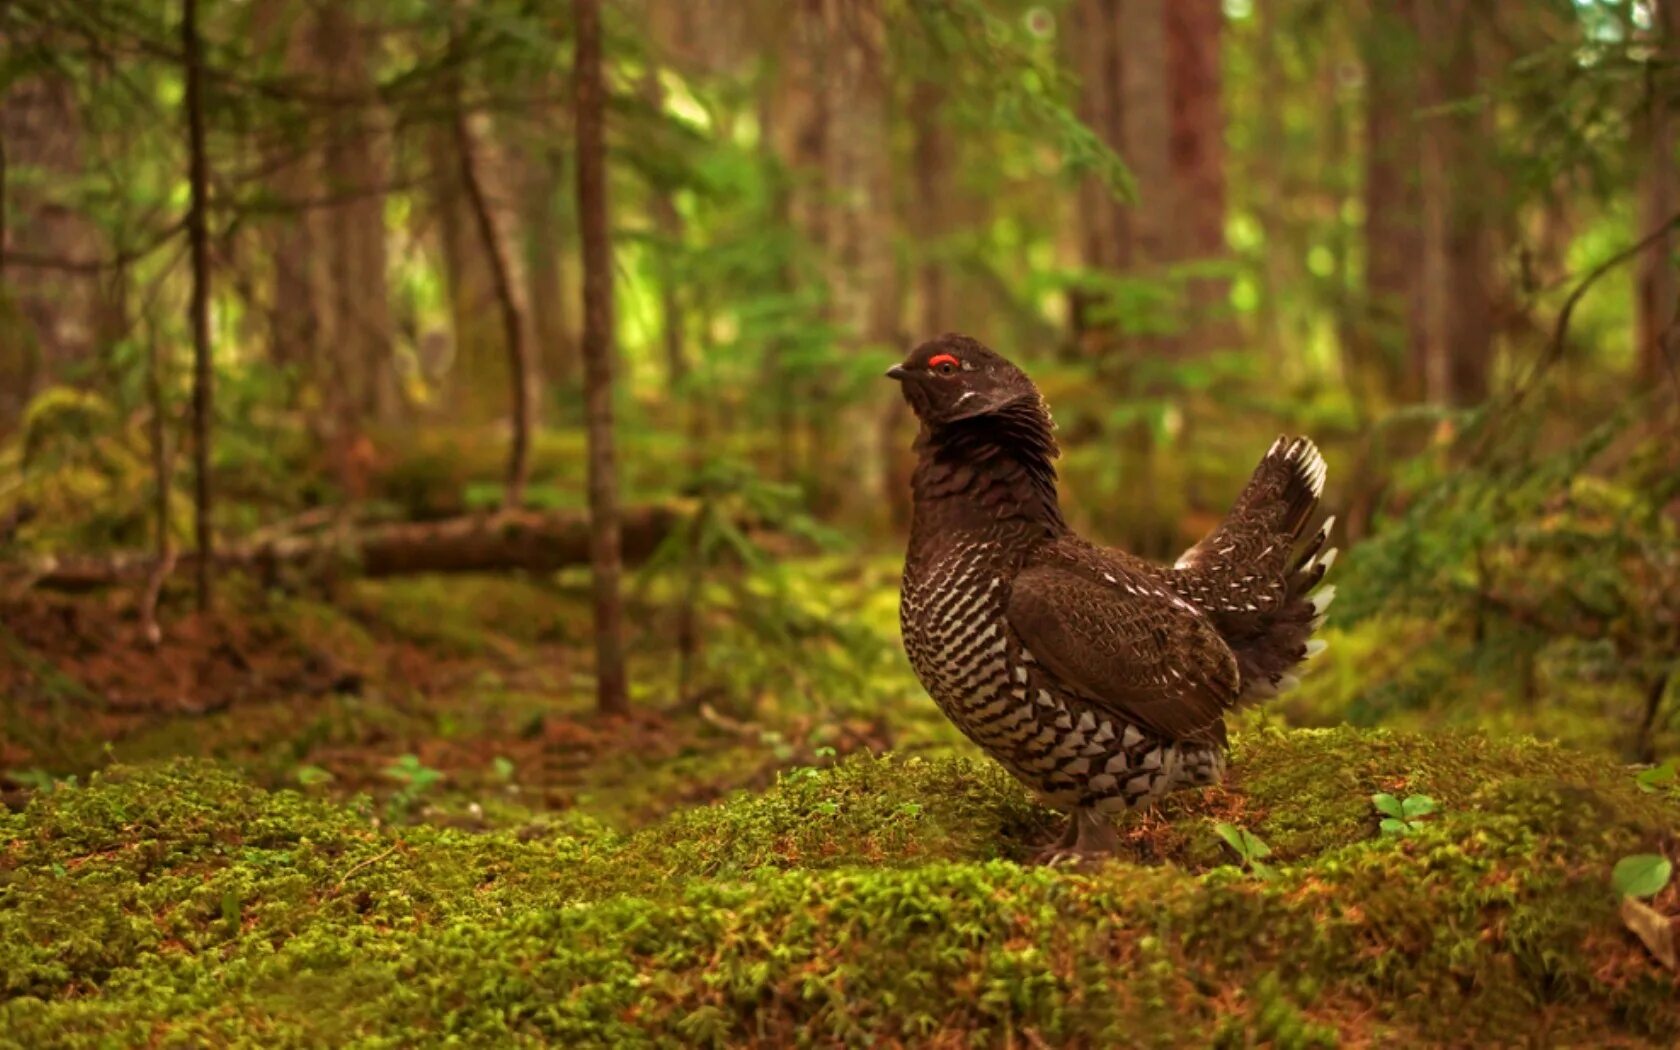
(435, 844)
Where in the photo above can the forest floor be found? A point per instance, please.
(463, 700)
(391, 817)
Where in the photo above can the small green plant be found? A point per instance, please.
(1402, 815)
(1250, 848)
(415, 778)
(309, 776)
(1657, 777)
(1641, 875)
(39, 779)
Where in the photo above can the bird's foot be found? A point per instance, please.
(1088, 841)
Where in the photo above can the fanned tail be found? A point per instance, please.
(1257, 576)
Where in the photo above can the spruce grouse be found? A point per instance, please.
(1098, 679)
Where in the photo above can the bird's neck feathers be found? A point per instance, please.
(1000, 463)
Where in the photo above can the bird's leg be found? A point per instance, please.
(1071, 834)
(1062, 848)
(1089, 837)
(1095, 836)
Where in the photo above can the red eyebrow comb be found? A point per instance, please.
(942, 359)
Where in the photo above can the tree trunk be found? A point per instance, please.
(512, 311)
(1658, 296)
(1102, 221)
(1126, 96)
(612, 693)
(1270, 192)
(162, 482)
(358, 327)
(1196, 148)
(283, 32)
(1391, 335)
(930, 221)
(796, 111)
(1458, 243)
(1146, 112)
(555, 357)
(862, 271)
(480, 377)
(199, 238)
(48, 310)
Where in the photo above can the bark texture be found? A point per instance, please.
(199, 238)
(1459, 238)
(1196, 149)
(1391, 330)
(1658, 294)
(55, 297)
(606, 557)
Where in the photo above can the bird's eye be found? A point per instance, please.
(944, 364)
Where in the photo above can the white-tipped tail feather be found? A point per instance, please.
(1322, 598)
(1308, 462)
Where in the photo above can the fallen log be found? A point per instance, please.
(528, 541)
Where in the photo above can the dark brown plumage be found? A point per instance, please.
(1097, 678)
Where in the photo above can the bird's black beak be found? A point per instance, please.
(897, 372)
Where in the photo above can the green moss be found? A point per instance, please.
(1313, 787)
(865, 903)
(471, 615)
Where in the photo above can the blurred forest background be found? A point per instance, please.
(327, 329)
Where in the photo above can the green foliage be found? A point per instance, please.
(312, 775)
(1012, 80)
(82, 470)
(1248, 847)
(763, 623)
(414, 778)
(1641, 875)
(1532, 569)
(1657, 777)
(1402, 815)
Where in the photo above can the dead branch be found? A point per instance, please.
(517, 541)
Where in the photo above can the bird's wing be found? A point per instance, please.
(1128, 645)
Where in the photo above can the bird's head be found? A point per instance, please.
(955, 377)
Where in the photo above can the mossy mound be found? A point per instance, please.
(873, 902)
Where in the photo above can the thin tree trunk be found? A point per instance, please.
(1390, 332)
(612, 694)
(1103, 222)
(1269, 195)
(792, 116)
(1659, 359)
(555, 356)
(1644, 743)
(198, 235)
(513, 322)
(4, 229)
(158, 431)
